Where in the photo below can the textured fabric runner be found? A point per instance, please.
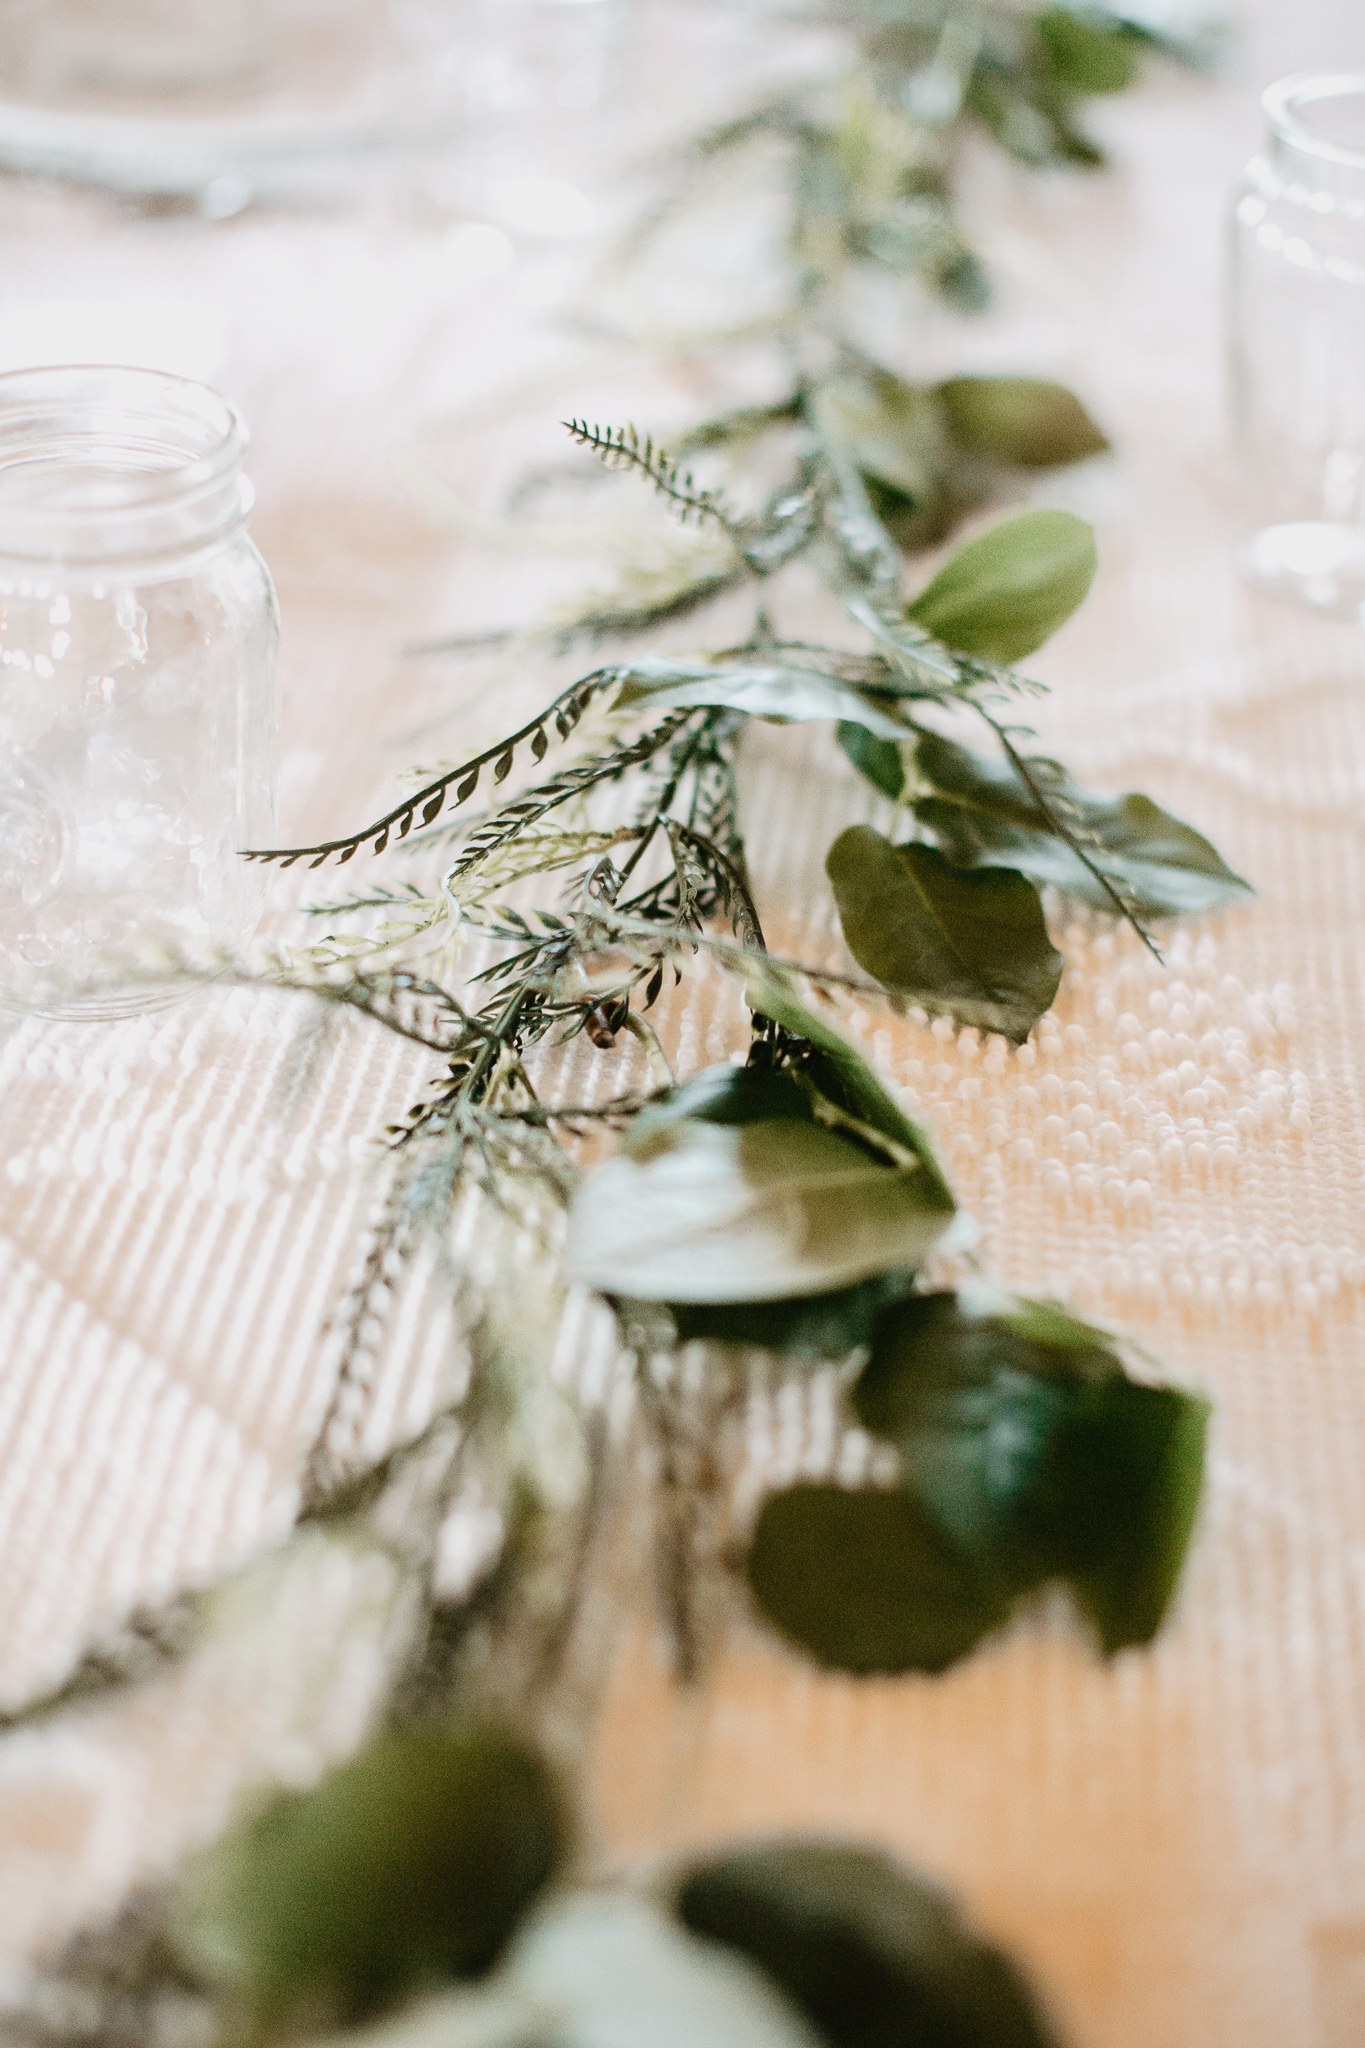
(1173, 1843)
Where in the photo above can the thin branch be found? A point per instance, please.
(1065, 832)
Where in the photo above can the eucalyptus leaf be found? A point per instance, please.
(765, 1211)
(413, 1862)
(1086, 56)
(865, 1582)
(875, 1956)
(982, 815)
(760, 690)
(1005, 593)
(972, 943)
(881, 761)
(1025, 422)
(724, 1094)
(1035, 1456)
(843, 1074)
(1149, 1445)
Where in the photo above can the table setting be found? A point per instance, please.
(680, 1251)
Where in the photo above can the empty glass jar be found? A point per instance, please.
(138, 684)
(1298, 346)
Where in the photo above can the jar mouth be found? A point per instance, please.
(1322, 114)
(101, 465)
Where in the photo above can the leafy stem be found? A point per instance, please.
(1064, 828)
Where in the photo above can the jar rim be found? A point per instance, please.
(1283, 104)
(168, 452)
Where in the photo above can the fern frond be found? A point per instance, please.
(563, 714)
(625, 448)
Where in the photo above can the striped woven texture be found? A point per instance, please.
(1174, 1843)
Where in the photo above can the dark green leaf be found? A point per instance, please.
(971, 943)
(1023, 421)
(1023, 1440)
(875, 1956)
(915, 523)
(864, 1581)
(1086, 56)
(963, 280)
(762, 691)
(811, 1329)
(412, 1863)
(879, 760)
(983, 816)
(1005, 593)
(721, 1095)
(842, 1074)
(975, 1403)
(765, 1211)
(1148, 1442)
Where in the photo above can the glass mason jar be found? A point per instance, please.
(1297, 333)
(138, 684)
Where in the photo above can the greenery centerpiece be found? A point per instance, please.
(437, 1885)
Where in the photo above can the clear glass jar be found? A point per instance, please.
(1297, 307)
(138, 683)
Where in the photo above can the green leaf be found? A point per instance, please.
(1148, 1443)
(975, 1403)
(875, 1956)
(721, 1095)
(1023, 421)
(765, 1211)
(971, 943)
(1023, 1440)
(812, 1329)
(1005, 593)
(842, 1074)
(1086, 56)
(864, 1581)
(612, 1970)
(761, 691)
(880, 761)
(983, 816)
(412, 1862)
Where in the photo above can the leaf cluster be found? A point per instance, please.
(1027, 1454)
(426, 1865)
(789, 1203)
(928, 453)
(870, 166)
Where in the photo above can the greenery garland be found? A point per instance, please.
(788, 1204)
